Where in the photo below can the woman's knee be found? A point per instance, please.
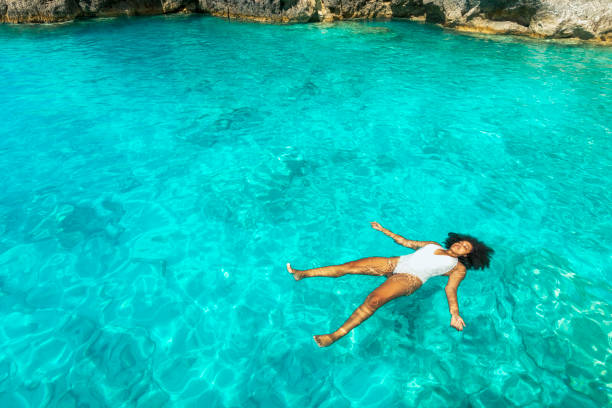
(374, 301)
(358, 265)
(351, 264)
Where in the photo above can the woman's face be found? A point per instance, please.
(462, 248)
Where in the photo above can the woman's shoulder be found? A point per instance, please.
(459, 268)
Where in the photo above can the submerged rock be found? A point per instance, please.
(583, 19)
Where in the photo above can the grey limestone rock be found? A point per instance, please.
(38, 11)
(355, 9)
(445, 12)
(518, 11)
(172, 6)
(263, 10)
(584, 19)
(484, 25)
(103, 8)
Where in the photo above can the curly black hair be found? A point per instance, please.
(480, 256)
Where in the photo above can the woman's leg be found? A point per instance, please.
(377, 265)
(396, 285)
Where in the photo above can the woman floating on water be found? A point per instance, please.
(405, 274)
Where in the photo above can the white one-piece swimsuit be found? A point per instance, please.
(424, 263)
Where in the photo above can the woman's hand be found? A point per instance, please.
(376, 226)
(457, 322)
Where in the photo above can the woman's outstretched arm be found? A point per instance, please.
(399, 239)
(454, 279)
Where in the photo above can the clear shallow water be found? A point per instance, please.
(158, 172)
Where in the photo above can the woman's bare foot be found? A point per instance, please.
(297, 275)
(324, 340)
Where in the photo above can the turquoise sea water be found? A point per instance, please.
(157, 173)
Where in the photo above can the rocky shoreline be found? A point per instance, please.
(582, 19)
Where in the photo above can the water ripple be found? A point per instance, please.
(158, 172)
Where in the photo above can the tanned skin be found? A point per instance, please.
(394, 286)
